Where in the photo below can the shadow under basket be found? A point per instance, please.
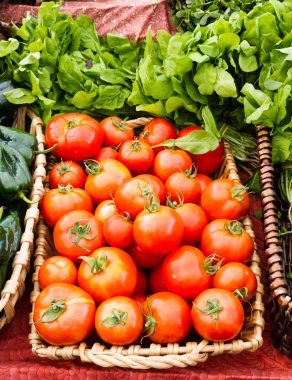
(189, 353)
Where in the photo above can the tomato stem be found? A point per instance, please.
(80, 232)
(65, 189)
(115, 318)
(241, 293)
(211, 268)
(97, 264)
(92, 166)
(120, 124)
(212, 309)
(145, 192)
(191, 172)
(235, 227)
(239, 193)
(45, 151)
(152, 205)
(175, 204)
(150, 321)
(53, 312)
(64, 168)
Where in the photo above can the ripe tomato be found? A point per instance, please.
(204, 181)
(77, 233)
(217, 315)
(156, 281)
(142, 259)
(227, 239)
(119, 321)
(106, 273)
(142, 283)
(71, 311)
(78, 136)
(104, 178)
(116, 131)
(224, 198)
(157, 184)
(169, 318)
(118, 231)
(104, 210)
(67, 173)
(238, 278)
(136, 155)
(157, 131)
(158, 229)
(206, 163)
(106, 152)
(169, 161)
(184, 273)
(140, 299)
(58, 202)
(57, 269)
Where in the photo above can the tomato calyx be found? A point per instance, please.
(92, 166)
(65, 189)
(121, 124)
(241, 293)
(64, 168)
(71, 124)
(53, 312)
(125, 215)
(209, 266)
(191, 172)
(97, 264)
(234, 228)
(239, 193)
(145, 134)
(151, 204)
(175, 204)
(115, 318)
(150, 321)
(81, 232)
(135, 146)
(145, 192)
(212, 309)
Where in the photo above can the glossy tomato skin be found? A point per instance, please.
(206, 163)
(57, 269)
(157, 184)
(142, 259)
(229, 321)
(236, 276)
(220, 200)
(180, 186)
(169, 161)
(156, 280)
(204, 180)
(158, 232)
(78, 136)
(118, 278)
(56, 203)
(157, 131)
(142, 283)
(106, 152)
(77, 233)
(104, 210)
(172, 315)
(74, 324)
(184, 274)
(137, 156)
(118, 231)
(115, 131)
(123, 333)
(67, 173)
(216, 238)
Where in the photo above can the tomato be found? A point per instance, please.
(78, 136)
(169, 161)
(58, 202)
(156, 281)
(142, 259)
(136, 155)
(194, 220)
(106, 273)
(77, 233)
(116, 131)
(224, 198)
(119, 321)
(67, 173)
(184, 273)
(104, 178)
(142, 283)
(132, 194)
(204, 181)
(104, 210)
(170, 316)
(157, 184)
(57, 269)
(228, 239)
(118, 231)
(140, 299)
(238, 278)
(157, 131)
(209, 162)
(158, 230)
(217, 315)
(106, 152)
(74, 320)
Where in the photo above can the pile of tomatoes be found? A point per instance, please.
(149, 245)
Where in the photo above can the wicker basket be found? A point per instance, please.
(14, 287)
(155, 356)
(278, 251)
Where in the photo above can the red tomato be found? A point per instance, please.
(157, 131)
(104, 210)
(156, 281)
(118, 231)
(58, 202)
(67, 173)
(170, 316)
(142, 283)
(116, 131)
(227, 239)
(142, 259)
(74, 320)
(157, 184)
(158, 230)
(224, 198)
(77, 233)
(106, 152)
(119, 321)
(104, 178)
(183, 186)
(217, 315)
(204, 181)
(136, 155)
(206, 163)
(238, 278)
(170, 161)
(184, 273)
(140, 299)
(57, 269)
(78, 136)
(106, 273)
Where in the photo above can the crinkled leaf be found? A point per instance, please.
(69, 76)
(248, 63)
(205, 78)
(225, 85)
(89, 38)
(154, 108)
(162, 88)
(111, 97)
(174, 102)
(84, 100)
(280, 148)
(20, 96)
(6, 47)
